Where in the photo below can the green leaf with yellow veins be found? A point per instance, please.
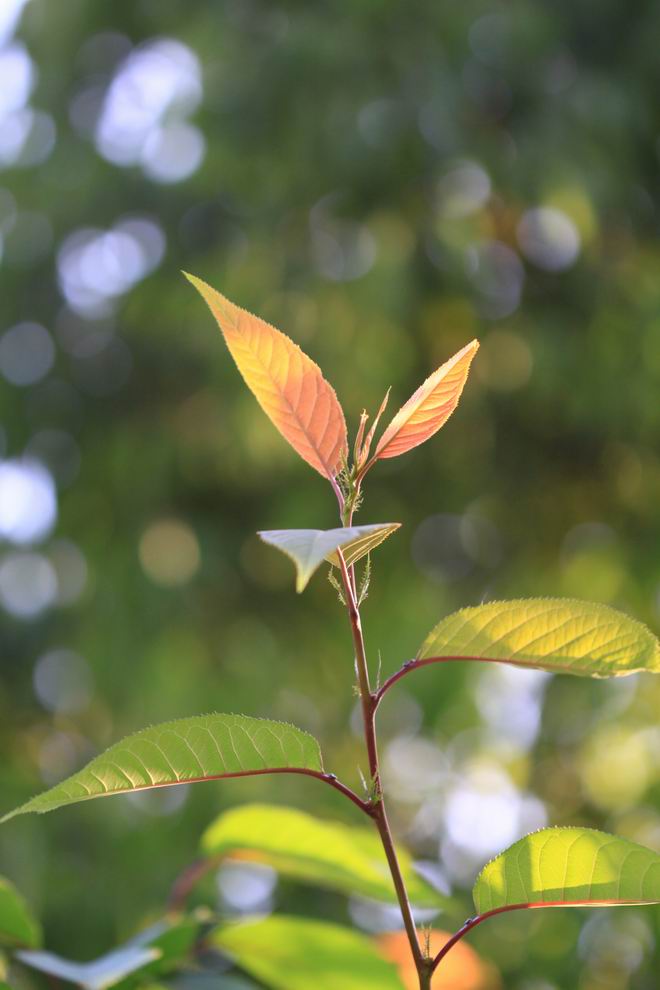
(555, 634)
(563, 867)
(188, 750)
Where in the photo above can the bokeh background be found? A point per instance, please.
(383, 181)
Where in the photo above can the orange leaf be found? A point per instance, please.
(461, 969)
(287, 384)
(430, 407)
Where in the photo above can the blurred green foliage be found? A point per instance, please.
(368, 176)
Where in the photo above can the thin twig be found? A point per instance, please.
(187, 880)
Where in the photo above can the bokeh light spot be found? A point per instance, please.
(549, 238)
(247, 888)
(169, 552)
(143, 119)
(27, 353)
(172, 153)
(28, 584)
(63, 681)
(463, 190)
(505, 361)
(28, 502)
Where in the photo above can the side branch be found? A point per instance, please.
(325, 778)
(411, 665)
(477, 920)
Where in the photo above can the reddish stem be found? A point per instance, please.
(187, 880)
(473, 922)
(378, 812)
(326, 778)
(411, 665)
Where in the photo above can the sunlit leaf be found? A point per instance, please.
(308, 548)
(287, 384)
(462, 969)
(205, 747)
(17, 925)
(569, 866)
(342, 857)
(571, 637)
(429, 407)
(298, 954)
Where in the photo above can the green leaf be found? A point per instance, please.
(308, 548)
(346, 858)
(297, 954)
(556, 634)
(17, 925)
(154, 951)
(205, 747)
(569, 866)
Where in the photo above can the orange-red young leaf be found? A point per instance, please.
(429, 408)
(287, 384)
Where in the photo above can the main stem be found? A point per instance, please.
(369, 703)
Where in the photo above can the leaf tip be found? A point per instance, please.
(193, 279)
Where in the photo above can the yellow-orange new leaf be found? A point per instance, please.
(287, 384)
(430, 407)
(461, 969)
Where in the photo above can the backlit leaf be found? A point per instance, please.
(287, 384)
(297, 954)
(429, 407)
(104, 972)
(308, 548)
(205, 747)
(462, 969)
(559, 634)
(154, 951)
(346, 858)
(17, 925)
(569, 866)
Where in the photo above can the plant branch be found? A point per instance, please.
(477, 920)
(411, 665)
(368, 701)
(337, 490)
(187, 880)
(326, 778)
